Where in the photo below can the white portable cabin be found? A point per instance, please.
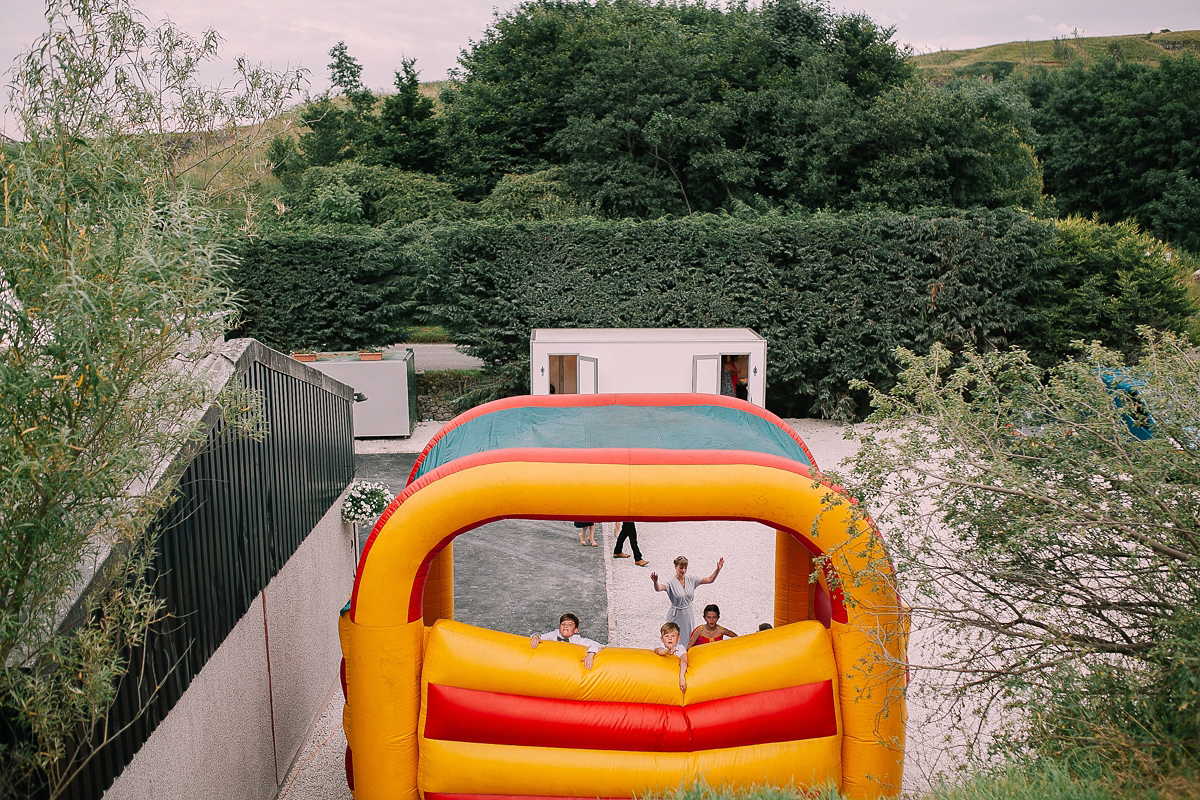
(390, 405)
(645, 360)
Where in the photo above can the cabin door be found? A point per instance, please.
(706, 374)
(589, 375)
(574, 374)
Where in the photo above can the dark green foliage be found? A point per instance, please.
(653, 109)
(646, 109)
(405, 133)
(345, 73)
(997, 70)
(339, 131)
(537, 195)
(369, 195)
(869, 62)
(399, 132)
(286, 162)
(1110, 279)
(656, 109)
(960, 146)
(833, 294)
(330, 133)
(305, 291)
(1123, 140)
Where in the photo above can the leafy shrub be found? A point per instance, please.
(834, 294)
(1110, 279)
(324, 291)
(537, 195)
(1020, 503)
(336, 202)
(373, 195)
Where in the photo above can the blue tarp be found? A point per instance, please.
(690, 427)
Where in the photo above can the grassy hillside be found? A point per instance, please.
(1000, 60)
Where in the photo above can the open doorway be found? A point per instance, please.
(735, 375)
(573, 374)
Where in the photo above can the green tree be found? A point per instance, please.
(961, 145)
(653, 109)
(1123, 140)
(406, 130)
(338, 130)
(399, 131)
(350, 192)
(1050, 556)
(111, 293)
(326, 141)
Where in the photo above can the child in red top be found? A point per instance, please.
(710, 631)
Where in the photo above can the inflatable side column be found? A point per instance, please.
(869, 644)
(794, 592)
(438, 602)
(386, 663)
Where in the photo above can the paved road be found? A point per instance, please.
(438, 356)
(495, 564)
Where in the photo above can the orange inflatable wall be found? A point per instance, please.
(854, 646)
(497, 713)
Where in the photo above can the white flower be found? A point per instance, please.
(365, 501)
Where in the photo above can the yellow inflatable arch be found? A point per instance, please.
(446, 711)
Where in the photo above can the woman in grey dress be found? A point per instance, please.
(680, 590)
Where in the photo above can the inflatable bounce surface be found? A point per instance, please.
(447, 711)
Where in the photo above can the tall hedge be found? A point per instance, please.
(340, 290)
(834, 295)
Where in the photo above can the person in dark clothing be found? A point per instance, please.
(628, 531)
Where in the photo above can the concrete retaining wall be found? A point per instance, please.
(244, 718)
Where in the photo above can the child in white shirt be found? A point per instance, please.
(671, 646)
(568, 631)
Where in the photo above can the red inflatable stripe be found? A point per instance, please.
(779, 715)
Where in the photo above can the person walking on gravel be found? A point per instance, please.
(680, 591)
(587, 533)
(628, 531)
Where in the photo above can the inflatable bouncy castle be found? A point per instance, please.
(446, 711)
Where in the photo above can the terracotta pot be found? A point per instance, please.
(365, 356)
(304, 356)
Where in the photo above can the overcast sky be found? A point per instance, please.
(378, 33)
